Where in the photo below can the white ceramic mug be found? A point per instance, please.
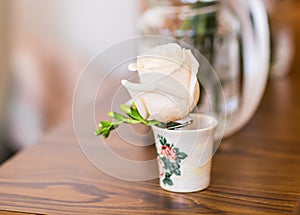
(184, 155)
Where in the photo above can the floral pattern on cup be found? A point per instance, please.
(169, 160)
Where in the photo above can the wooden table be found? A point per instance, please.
(256, 171)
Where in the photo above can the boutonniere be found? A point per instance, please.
(167, 92)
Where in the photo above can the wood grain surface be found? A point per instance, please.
(256, 171)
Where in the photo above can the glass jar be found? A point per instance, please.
(211, 28)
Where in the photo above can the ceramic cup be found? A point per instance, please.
(184, 155)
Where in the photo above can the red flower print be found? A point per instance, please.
(168, 152)
(169, 160)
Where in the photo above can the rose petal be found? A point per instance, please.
(169, 88)
(161, 104)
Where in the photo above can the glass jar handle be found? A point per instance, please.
(256, 55)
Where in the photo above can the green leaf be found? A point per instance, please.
(178, 160)
(167, 164)
(181, 155)
(162, 140)
(168, 181)
(98, 132)
(101, 130)
(175, 166)
(116, 116)
(177, 172)
(135, 114)
(163, 159)
(105, 127)
(131, 111)
(106, 133)
(168, 175)
(125, 108)
(105, 123)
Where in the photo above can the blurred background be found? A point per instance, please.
(44, 45)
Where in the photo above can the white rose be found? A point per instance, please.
(168, 88)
